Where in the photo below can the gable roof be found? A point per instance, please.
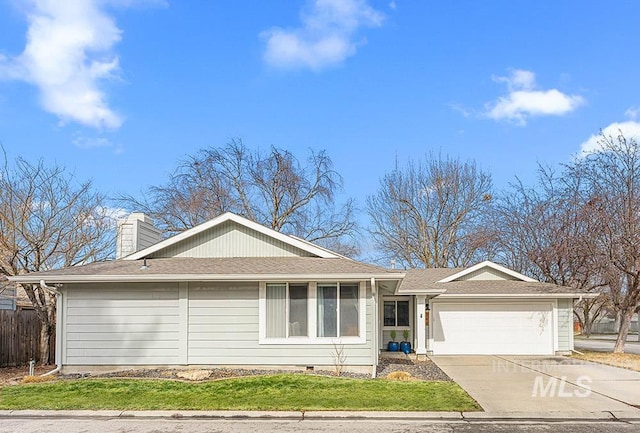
(214, 269)
(424, 280)
(228, 216)
(506, 289)
(486, 264)
(449, 283)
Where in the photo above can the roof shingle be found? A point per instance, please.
(238, 266)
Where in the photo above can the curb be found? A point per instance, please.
(330, 415)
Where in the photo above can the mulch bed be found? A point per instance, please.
(216, 373)
(421, 370)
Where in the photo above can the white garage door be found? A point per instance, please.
(492, 328)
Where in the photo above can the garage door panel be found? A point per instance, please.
(492, 328)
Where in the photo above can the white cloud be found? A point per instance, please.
(524, 101)
(327, 35)
(114, 213)
(632, 113)
(630, 129)
(82, 141)
(460, 109)
(68, 55)
(519, 79)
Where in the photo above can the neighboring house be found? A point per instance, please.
(7, 297)
(609, 325)
(231, 292)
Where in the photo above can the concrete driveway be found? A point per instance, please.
(543, 383)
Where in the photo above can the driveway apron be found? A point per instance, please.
(543, 383)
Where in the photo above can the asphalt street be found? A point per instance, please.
(88, 425)
(604, 345)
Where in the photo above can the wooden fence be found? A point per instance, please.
(20, 338)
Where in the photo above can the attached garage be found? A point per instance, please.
(492, 327)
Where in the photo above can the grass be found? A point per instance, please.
(279, 392)
(625, 360)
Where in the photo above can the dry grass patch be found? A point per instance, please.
(38, 379)
(14, 375)
(629, 361)
(399, 375)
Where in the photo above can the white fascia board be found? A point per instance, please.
(513, 296)
(26, 279)
(434, 292)
(488, 264)
(228, 216)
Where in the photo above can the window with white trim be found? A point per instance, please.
(286, 310)
(396, 313)
(312, 313)
(338, 310)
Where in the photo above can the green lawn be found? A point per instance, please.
(280, 392)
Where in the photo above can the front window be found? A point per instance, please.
(300, 313)
(286, 310)
(338, 310)
(396, 313)
(298, 294)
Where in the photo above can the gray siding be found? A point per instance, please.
(180, 323)
(7, 298)
(109, 325)
(224, 329)
(230, 240)
(7, 304)
(565, 324)
(486, 273)
(386, 337)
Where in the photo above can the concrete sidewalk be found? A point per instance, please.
(631, 416)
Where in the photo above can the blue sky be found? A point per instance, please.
(119, 91)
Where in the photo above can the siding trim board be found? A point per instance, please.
(183, 332)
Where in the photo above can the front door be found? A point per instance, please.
(397, 317)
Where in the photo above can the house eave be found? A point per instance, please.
(59, 279)
(434, 292)
(517, 295)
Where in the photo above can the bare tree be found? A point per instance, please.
(612, 191)
(430, 214)
(589, 310)
(47, 221)
(582, 229)
(273, 189)
(548, 232)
